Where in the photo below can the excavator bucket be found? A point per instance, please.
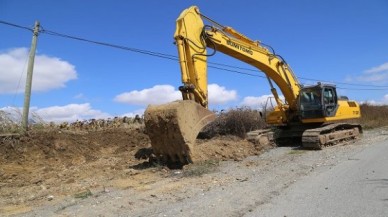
(173, 128)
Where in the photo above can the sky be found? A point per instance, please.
(341, 42)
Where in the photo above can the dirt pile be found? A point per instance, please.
(227, 147)
(60, 163)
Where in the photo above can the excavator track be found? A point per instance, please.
(330, 134)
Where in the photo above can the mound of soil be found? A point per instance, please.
(60, 163)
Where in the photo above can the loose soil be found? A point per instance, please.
(48, 166)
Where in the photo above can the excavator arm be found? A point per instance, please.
(193, 37)
(192, 57)
(173, 127)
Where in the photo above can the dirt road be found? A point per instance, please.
(256, 186)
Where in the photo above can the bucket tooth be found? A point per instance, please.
(173, 128)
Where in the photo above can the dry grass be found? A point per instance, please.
(10, 121)
(7, 123)
(233, 122)
(373, 116)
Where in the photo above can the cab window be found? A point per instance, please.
(329, 96)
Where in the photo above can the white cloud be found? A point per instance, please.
(160, 94)
(380, 78)
(382, 101)
(219, 95)
(381, 68)
(49, 72)
(255, 101)
(258, 102)
(79, 96)
(69, 113)
(375, 75)
(157, 94)
(139, 112)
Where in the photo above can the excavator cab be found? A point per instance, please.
(318, 101)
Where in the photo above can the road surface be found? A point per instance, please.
(357, 187)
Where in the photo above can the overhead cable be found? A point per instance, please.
(175, 58)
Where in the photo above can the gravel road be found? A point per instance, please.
(346, 180)
(356, 187)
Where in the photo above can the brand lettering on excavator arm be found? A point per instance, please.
(240, 47)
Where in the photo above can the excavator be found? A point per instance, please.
(312, 114)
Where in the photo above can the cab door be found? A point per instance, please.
(330, 104)
(310, 103)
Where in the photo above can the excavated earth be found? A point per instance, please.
(48, 167)
(94, 173)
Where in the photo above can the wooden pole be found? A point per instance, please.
(30, 69)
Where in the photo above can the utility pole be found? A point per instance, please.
(30, 69)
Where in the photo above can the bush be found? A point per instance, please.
(234, 122)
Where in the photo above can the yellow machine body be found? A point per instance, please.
(193, 37)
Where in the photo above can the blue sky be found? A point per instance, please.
(339, 41)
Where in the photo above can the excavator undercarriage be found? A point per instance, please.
(330, 134)
(316, 136)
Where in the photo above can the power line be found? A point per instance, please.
(175, 58)
(17, 26)
(20, 79)
(343, 83)
(157, 54)
(238, 72)
(344, 88)
(302, 78)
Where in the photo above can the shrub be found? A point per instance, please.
(234, 122)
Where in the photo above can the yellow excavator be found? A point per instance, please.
(308, 113)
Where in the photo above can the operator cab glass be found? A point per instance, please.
(318, 101)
